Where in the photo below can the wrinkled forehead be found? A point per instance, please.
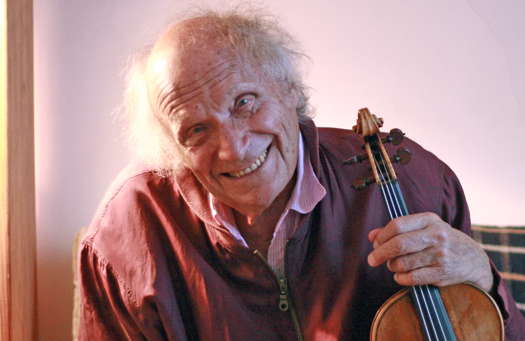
(184, 51)
(179, 66)
(183, 56)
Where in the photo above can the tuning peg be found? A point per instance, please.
(402, 156)
(395, 136)
(361, 183)
(355, 159)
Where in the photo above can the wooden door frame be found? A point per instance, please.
(17, 179)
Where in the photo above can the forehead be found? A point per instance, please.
(175, 76)
(190, 49)
(178, 64)
(177, 73)
(182, 69)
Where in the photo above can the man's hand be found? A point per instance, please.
(423, 249)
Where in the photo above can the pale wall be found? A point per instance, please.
(449, 73)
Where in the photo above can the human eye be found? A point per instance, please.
(199, 128)
(244, 102)
(195, 135)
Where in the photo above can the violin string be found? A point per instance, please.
(388, 205)
(435, 309)
(390, 194)
(393, 200)
(426, 291)
(392, 208)
(421, 295)
(418, 291)
(432, 317)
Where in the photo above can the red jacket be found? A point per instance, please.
(150, 269)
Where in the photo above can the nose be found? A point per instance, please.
(233, 143)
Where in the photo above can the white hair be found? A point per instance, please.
(257, 36)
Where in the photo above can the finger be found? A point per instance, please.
(373, 234)
(423, 276)
(400, 245)
(413, 261)
(405, 224)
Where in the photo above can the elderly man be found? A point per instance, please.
(239, 221)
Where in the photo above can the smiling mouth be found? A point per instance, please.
(250, 169)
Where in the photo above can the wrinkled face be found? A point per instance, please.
(234, 128)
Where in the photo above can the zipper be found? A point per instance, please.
(285, 301)
(284, 305)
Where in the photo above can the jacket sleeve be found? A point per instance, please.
(110, 311)
(104, 305)
(456, 213)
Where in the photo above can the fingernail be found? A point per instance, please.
(371, 260)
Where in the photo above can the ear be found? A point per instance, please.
(291, 95)
(300, 101)
(289, 89)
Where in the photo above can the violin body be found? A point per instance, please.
(473, 314)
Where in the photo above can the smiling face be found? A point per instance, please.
(233, 126)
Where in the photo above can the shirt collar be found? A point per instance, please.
(308, 191)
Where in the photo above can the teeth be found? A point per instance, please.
(260, 160)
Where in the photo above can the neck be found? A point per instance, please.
(258, 230)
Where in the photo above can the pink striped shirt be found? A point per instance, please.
(307, 192)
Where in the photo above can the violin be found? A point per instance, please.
(460, 312)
